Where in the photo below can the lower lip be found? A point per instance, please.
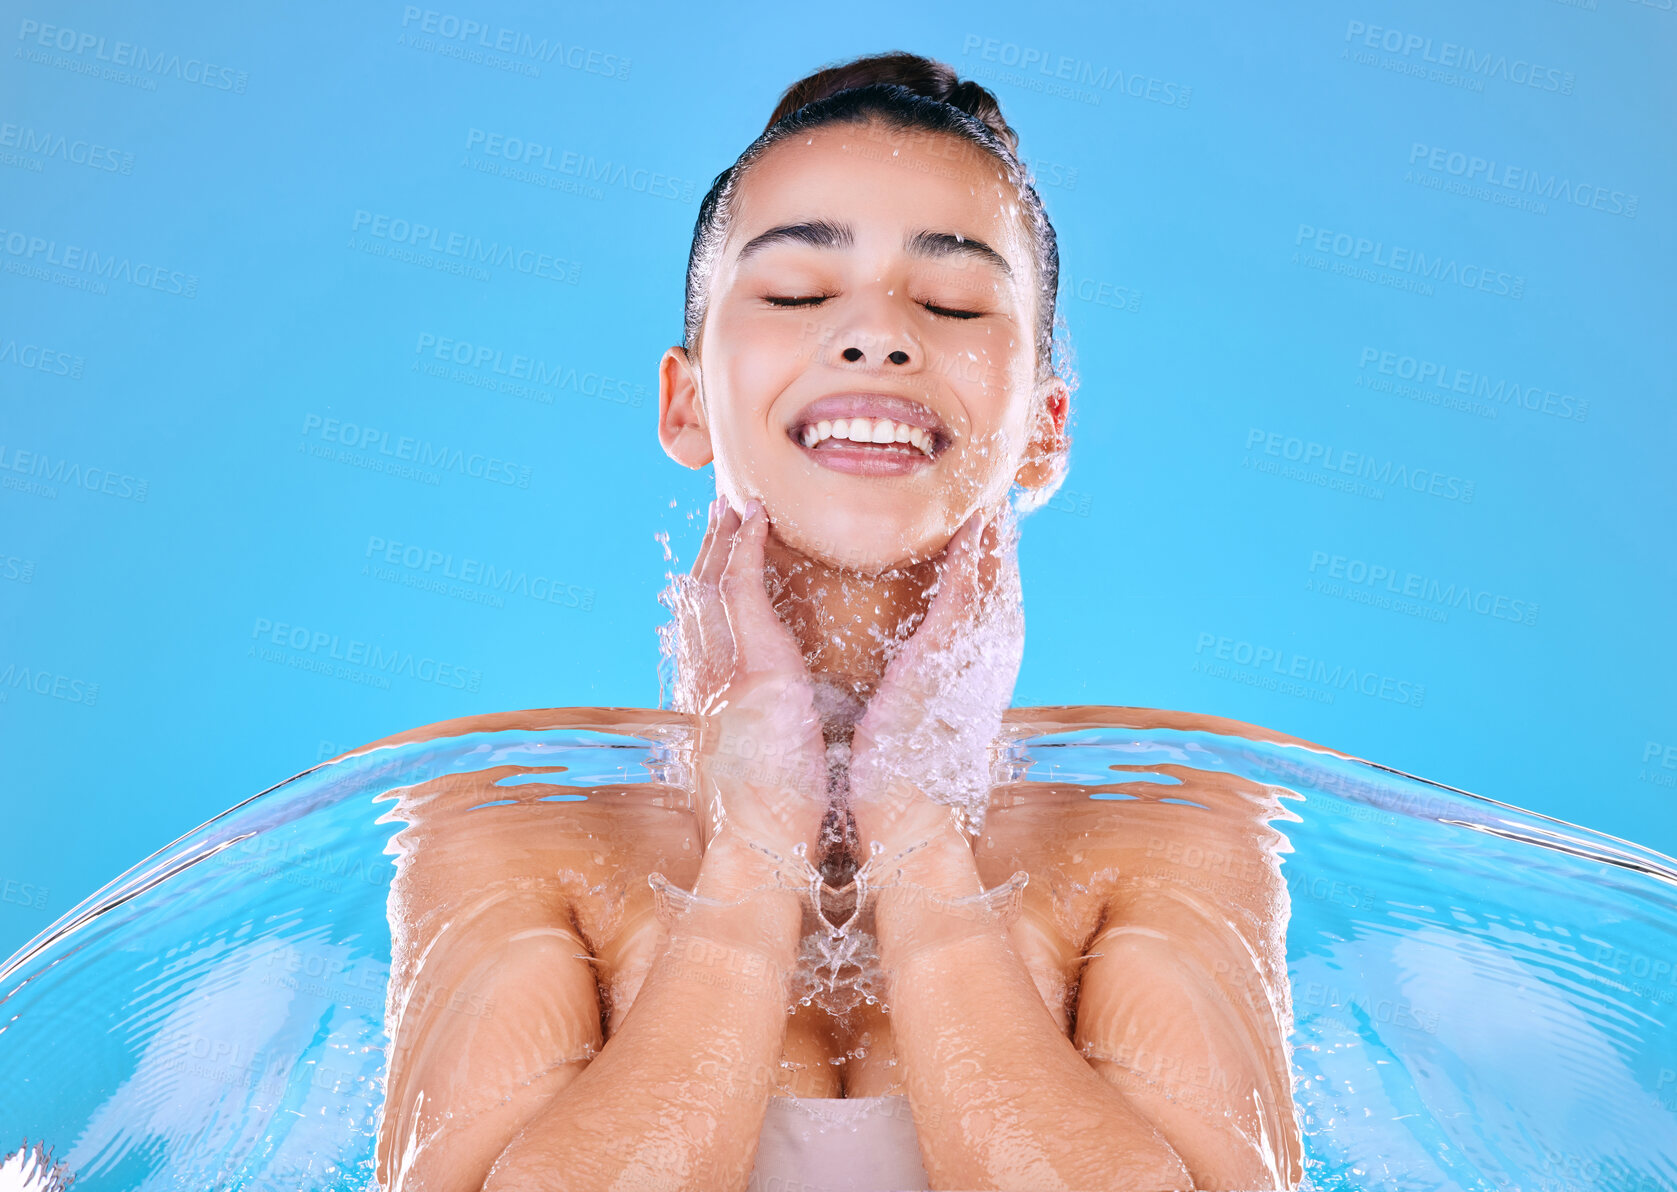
(867, 461)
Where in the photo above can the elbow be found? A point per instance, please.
(1145, 1159)
(1234, 1167)
(1163, 1170)
(517, 1169)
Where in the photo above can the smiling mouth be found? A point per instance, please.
(875, 435)
(868, 446)
(870, 433)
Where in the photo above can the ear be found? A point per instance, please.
(682, 428)
(1045, 453)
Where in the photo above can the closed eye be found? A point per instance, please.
(952, 314)
(813, 299)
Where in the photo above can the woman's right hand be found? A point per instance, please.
(761, 758)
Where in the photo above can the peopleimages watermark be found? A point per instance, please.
(1098, 292)
(62, 470)
(1438, 383)
(1385, 1010)
(1406, 268)
(518, 375)
(529, 156)
(347, 862)
(454, 252)
(38, 681)
(36, 143)
(513, 50)
(1440, 61)
(277, 1074)
(24, 894)
(419, 454)
(1274, 668)
(1046, 173)
(1069, 501)
(361, 661)
(88, 268)
(1659, 763)
(16, 570)
(1653, 977)
(55, 362)
(1324, 464)
(1062, 74)
(819, 336)
(1383, 586)
(426, 565)
(89, 52)
(1508, 185)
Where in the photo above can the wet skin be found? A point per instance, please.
(523, 934)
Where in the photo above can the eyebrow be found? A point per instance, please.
(821, 233)
(953, 244)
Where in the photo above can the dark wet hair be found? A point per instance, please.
(904, 92)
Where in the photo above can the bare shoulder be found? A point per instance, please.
(1044, 829)
(1163, 886)
(1184, 1001)
(506, 916)
(1213, 854)
(1151, 840)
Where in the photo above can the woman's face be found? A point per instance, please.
(874, 284)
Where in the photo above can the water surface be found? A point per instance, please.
(1483, 998)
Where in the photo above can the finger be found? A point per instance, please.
(718, 541)
(989, 556)
(715, 637)
(762, 643)
(712, 644)
(914, 676)
(708, 543)
(687, 638)
(998, 567)
(957, 587)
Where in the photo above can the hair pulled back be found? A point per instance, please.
(906, 92)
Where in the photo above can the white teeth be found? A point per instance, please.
(867, 430)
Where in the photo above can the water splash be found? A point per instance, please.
(1483, 996)
(31, 1169)
(946, 746)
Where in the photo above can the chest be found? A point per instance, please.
(840, 1043)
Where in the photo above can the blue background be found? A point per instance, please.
(171, 496)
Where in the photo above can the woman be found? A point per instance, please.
(868, 364)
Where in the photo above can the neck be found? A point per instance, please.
(842, 619)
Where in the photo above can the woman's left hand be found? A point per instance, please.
(921, 754)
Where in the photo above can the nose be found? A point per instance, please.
(875, 332)
(855, 354)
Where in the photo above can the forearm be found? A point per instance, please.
(1004, 1098)
(677, 1095)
